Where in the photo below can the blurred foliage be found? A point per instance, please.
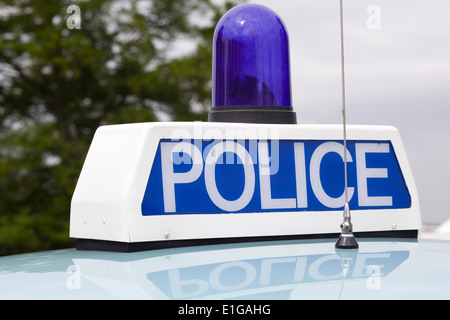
(58, 84)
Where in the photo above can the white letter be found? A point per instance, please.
(314, 169)
(300, 175)
(363, 173)
(210, 176)
(74, 21)
(170, 178)
(267, 202)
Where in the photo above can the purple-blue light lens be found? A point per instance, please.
(251, 59)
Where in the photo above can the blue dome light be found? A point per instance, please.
(251, 69)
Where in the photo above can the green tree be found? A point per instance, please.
(65, 72)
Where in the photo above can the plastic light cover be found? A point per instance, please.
(251, 59)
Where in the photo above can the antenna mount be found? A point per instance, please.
(346, 239)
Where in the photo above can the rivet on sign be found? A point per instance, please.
(167, 234)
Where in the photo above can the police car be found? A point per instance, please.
(249, 205)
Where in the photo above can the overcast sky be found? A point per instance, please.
(397, 64)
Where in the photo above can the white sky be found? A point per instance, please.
(396, 75)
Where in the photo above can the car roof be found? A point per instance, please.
(294, 269)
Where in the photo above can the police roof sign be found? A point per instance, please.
(177, 181)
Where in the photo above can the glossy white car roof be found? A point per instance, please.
(301, 269)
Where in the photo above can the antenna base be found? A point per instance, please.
(346, 241)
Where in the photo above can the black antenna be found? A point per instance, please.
(346, 239)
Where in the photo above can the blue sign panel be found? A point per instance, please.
(250, 176)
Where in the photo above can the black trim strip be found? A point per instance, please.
(253, 114)
(116, 246)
